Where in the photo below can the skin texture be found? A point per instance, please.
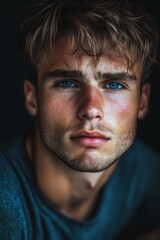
(86, 118)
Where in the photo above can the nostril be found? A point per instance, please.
(91, 114)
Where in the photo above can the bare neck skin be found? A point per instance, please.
(74, 193)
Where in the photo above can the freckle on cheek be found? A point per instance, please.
(125, 110)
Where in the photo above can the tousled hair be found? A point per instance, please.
(116, 27)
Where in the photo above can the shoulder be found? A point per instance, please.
(143, 156)
(141, 167)
(9, 163)
(141, 180)
(12, 217)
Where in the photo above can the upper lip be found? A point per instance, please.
(90, 134)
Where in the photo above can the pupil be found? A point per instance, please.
(113, 85)
(66, 84)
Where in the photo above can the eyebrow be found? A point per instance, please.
(116, 76)
(60, 73)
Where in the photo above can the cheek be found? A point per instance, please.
(127, 111)
(53, 118)
(54, 109)
(122, 111)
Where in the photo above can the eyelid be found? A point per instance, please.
(65, 80)
(120, 85)
(56, 83)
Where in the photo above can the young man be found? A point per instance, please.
(75, 175)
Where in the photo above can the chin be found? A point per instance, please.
(90, 163)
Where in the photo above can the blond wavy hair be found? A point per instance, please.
(95, 26)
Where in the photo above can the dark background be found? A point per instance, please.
(13, 116)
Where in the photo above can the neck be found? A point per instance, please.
(74, 193)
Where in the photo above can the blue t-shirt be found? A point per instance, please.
(129, 203)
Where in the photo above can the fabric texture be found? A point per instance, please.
(129, 203)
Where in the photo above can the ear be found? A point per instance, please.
(144, 101)
(30, 97)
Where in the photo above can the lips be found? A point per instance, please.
(90, 139)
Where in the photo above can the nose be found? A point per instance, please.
(91, 104)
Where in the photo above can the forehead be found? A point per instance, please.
(66, 56)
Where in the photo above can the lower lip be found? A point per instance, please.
(90, 142)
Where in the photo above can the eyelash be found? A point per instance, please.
(66, 84)
(62, 82)
(116, 86)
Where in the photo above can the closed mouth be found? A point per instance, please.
(90, 138)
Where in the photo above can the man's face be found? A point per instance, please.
(87, 111)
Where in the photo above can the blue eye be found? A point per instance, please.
(114, 86)
(66, 84)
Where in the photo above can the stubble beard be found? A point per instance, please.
(90, 161)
